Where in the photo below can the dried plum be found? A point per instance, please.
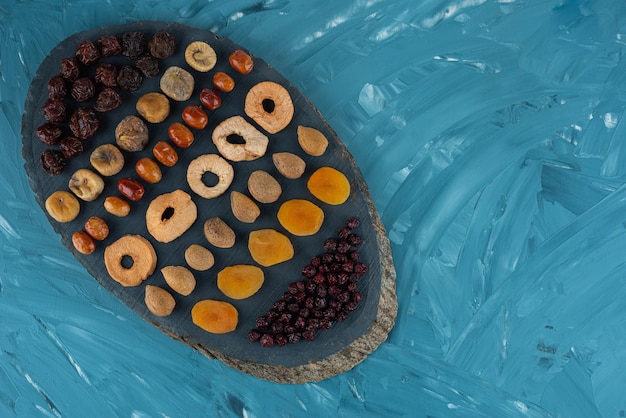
(148, 65)
(57, 88)
(109, 45)
(54, 110)
(108, 99)
(83, 89)
(52, 161)
(69, 69)
(71, 147)
(49, 133)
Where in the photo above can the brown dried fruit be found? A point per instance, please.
(107, 159)
(223, 82)
(180, 279)
(148, 170)
(83, 243)
(54, 110)
(241, 62)
(131, 189)
(108, 99)
(240, 281)
(218, 233)
(57, 88)
(106, 74)
(133, 44)
(263, 187)
(199, 258)
(289, 165)
(131, 134)
(254, 142)
(71, 147)
(97, 228)
(269, 247)
(312, 141)
(140, 250)
(269, 104)
(84, 122)
(180, 135)
(86, 184)
(87, 52)
(148, 65)
(69, 69)
(153, 107)
(49, 133)
(109, 45)
(117, 206)
(62, 206)
(210, 98)
(243, 207)
(200, 56)
(162, 45)
(165, 154)
(169, 215)
(195, 117)
(159, 301)
(129, 79)
(177, 84)
(52, 161)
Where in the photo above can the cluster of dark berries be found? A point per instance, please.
(326, 294)
(72, 82)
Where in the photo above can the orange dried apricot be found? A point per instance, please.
(240, 281)
(329, 185)
(300, 217)
(215, 316)
(268, 247)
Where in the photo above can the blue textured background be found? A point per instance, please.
(492, 138)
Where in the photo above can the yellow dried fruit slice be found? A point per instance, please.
(268, 247)
(240, 281)
(215, 316)
(300, 217)
(329, 185)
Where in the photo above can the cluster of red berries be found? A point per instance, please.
(326, 294)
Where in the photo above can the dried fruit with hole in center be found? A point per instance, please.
(269, 247)
(177, 84)
(153, 107)
(214, 316)
(263, 187)
(269, 104)
(289, 165)
(169, 215)
(180, 279)
(131, 134)
(159, 301)
(210, 163)
(62, 206)
(300, 217)
(254, 142)
(240, 281)
(199, 258)
(243, 207)
(141, 253)
(329, 185)
(312, 141)
(218, 233)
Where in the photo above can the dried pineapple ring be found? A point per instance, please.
(269, 104)
(212, 163)
(255, 144)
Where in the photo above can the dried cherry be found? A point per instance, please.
(162, 45)
(106, 74)
(83, 89)
(54, 110)
(148, 65)
(87, 52)
(109, 45)
(70, 68)
(84, 122)
(97, 228)
(57, 88)
(108, 99)
(49, 133)
(129, 79)
(52, 161)
(71, 147)
(210, 98)
(241, 62)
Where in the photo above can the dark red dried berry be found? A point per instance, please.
(129, 79)
(304, 313)
(87, 52)
(343, 246)
(353, 222)
(316, 261)
(293, 338)
(52, 161)
(109, 45)
(281, 340)
(348, 267)
(57, 88)
(54, 110)
(300, 323)
(353, 255)
(49, 133)
(262, 323)
(321, 291)
(162, 45)
(293, 308)
(344, 297)
(360, 268)
(308, 271)
(254, 336)
(351, 306)
(325, 324)
(106, 74)
(276, 327)
(133, 44)
(330, 244)
(334, 290)
(266, 340)
(319, 278)
(343, 232)
(108, 99)
(84, 122)
(285, 318)
(341, 316)
(328, 258)
(355, 240)
(292, 288)
(341, 257)
(148, 65)
(83, 89)
(330, 313)
(310, 287)
(70, 68)
(71, 147)
(279, 304)
(357, 297)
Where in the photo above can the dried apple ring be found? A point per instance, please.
(210, 163)
(169, 215)
(143, 257)
(269, 104)
(254, 146)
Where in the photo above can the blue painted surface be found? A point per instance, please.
(492, 137)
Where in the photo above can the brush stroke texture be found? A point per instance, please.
(492, 137)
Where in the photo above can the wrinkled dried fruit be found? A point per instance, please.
(162, 45)
(133, 44)
(153, 107)
(241, 62)
(159, 301)
(130, 188)
(269, 247)
(107, 159)
(165, 154)
(148, 170)
(87, 52)
(180, 135)
(210, 98)
(240, 281)
(131, 134)
(300, 217)
(177, 84)
(117, 206)
(148, 65)
(109, 45)
(329, 185)
(62, 206)
(195, 117)
(69, 69)
(86, 184)
(106, 74)
(129, 79)
(57, 88)
(49, 133)
(214, 316)
(71, 147)
(200, 56)
(108, 99)
(54, 110)
(83, 242)
(52, 161)
(97, 228)
(180, 279)
(223, 82)
(84, 122)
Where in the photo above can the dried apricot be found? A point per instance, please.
(300, 217)
(240, 281)
(329, 185)
(268, 247)
(214, 316)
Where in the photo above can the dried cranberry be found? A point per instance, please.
(360, 268)
(327, 258)
(321, 291)
(49, 133)
(341, 316)
(87, 52)
(293, 308)
(285, 318)
(304, 312)
(70, 68)
(162, 45)
(319, 279)
(276, 327)
(355, 240)
(109, 45)
(108, 99)
(262, 323)
(57, 88)
(316, 261)
(293, 338)
(330, 244)
(325, 324)
(84, 122)
(148, 65)
(106, 74)
(254, 335)
(52, 161)
(343, 246)
(354, 255)
(266, 340)
(292, 288)
(71, 147)
(341, 257)
(353, 222)
(334, 290)
(279, 304)
(343, 232)
(300, 323)
(54, 110)
(281, 340)
(357, 297)
(83, 89)
(308, 271)
(133, 44)
(129, 79)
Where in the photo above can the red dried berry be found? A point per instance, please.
(71, 147)
(106, 74)
(83, 89)
(109, 45)
(87, 52)
(70, 68)
(108, 99)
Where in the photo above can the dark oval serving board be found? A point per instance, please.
(333, 351)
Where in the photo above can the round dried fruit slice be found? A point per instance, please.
(254, 142)
(143, 257)
(269, 104)
(200, 56)
(211, 163)
(170, 215)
